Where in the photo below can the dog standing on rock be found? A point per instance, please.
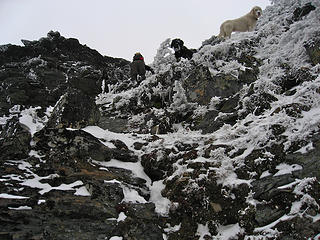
(245, 23)
(181, 51)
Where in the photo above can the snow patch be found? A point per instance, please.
(20, 208)
(10, 196)
(284, 168)
(228, 232)
(131, 195)
(31, 121)
(82, 191)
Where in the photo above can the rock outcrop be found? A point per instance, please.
(224, 146)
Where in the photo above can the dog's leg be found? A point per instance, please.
(222, 33)
(251, 27)
(228, 28)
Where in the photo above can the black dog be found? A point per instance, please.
(180, 51)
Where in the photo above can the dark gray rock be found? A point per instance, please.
(201, 86)
(39, 73)
(157, 164)
(15, 141)
(210, 122)
(265, 214)
(294, 78)
(297, 228)
(310, 161)
(73, 144)
(299, 13)
(113, 124)
(266, 188)
(74, 110)
(141, 222)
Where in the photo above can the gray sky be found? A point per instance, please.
(119, 28)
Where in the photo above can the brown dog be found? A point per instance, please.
(243, 24)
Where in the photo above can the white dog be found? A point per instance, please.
(242, 24)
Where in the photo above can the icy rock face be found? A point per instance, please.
(224, 146)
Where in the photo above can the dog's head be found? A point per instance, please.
(256, 12)
(177, 44)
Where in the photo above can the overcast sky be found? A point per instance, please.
(119, 28)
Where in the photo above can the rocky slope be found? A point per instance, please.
(224, 146)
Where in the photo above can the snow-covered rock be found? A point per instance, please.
(224, 146)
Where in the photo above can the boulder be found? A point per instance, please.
(73, 144)
(15, 141)
(74, 110)
(309, 161)
(201, 86)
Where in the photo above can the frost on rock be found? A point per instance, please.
(164, 57)
(180, 102)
